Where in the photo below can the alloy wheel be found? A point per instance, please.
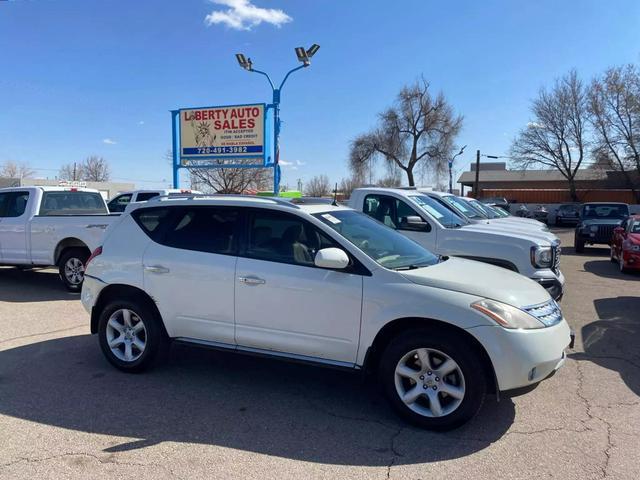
(74, 271)
(126, 335)
(429, 382)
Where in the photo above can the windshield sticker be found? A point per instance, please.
(331, 218)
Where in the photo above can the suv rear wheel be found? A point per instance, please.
(433, 379)
(130, 335)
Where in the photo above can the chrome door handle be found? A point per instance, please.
(252, 280)
(156, 269)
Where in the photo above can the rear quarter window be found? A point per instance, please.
(152, 221)
(72, 203)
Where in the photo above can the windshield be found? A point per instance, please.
(443, 215)
(605, 210)
(498, 211)
(482, 208)
(383, 244)
(463, 207)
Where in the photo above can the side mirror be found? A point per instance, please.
(331, 258)
(414, 223)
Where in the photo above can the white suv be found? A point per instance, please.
(323, 284)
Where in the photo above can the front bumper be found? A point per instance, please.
(631, 260)
(552, 282)
(523, 358)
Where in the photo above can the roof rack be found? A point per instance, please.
(191, 196)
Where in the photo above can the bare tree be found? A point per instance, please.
(95, 169)
(614, 111)
(348, 185)
(418, 131)
(318, 186)
(230, 180)
(71, 171)
(16, 170)
(390, 181)
(556, 137)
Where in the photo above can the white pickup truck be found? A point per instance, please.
(533, 253)
(45, 226)
(119, 203)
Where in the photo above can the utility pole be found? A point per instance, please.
(476, 188)
(74, 171)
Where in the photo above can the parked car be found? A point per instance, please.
(568, 213)
(47, 226)
(625, 246)
(500, 202)
(477, 213)
(321, 284)
(597, 221)
(540, 213)
(533, 253)
(502, 217)
(119, 203)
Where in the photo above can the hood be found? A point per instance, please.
(516, 222)
(509, 230)
(601, 221)
(461, 275)
(634, 237)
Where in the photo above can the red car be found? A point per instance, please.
(625, 245)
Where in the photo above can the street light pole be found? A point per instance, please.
(451, 166)
(304, 56)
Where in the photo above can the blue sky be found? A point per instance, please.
(77, 73)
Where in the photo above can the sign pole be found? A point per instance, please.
(276, 137)
(175, 146)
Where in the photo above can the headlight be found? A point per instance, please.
(541, 257)
(506, 315)
(634, 248)
(593, 228)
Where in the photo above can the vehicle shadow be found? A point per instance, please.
(612, 341)
(32, 285)
(200, 396)
(607, 269)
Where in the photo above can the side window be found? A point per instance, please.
(382, 208)
(144, 196)
(119, 203)
(409, 219)
(279, 237)
(13, 204)
(204, 229)
(152, 220)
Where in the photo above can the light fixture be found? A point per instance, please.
(243, 61)
(301, 53)
(312, 50)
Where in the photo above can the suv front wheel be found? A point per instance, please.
(433, 379)
(130, 335)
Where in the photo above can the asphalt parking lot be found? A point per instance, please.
(65, 413)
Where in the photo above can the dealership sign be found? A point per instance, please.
(236, 131)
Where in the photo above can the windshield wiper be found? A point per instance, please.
(413, 266)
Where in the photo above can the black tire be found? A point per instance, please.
(459, 350)
(70, 281)
(559, 222)
(156, 343)
(579, 244)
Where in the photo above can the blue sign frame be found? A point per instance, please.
(267, 155)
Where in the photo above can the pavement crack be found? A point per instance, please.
(7, 340)
(604, 468)
(104, 461)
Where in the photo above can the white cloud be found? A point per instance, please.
(244, 15)
(534, 125)
(289, 165)
(298, 162)
(141, 122)
(109, 141)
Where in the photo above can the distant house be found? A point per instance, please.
(546, 186)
